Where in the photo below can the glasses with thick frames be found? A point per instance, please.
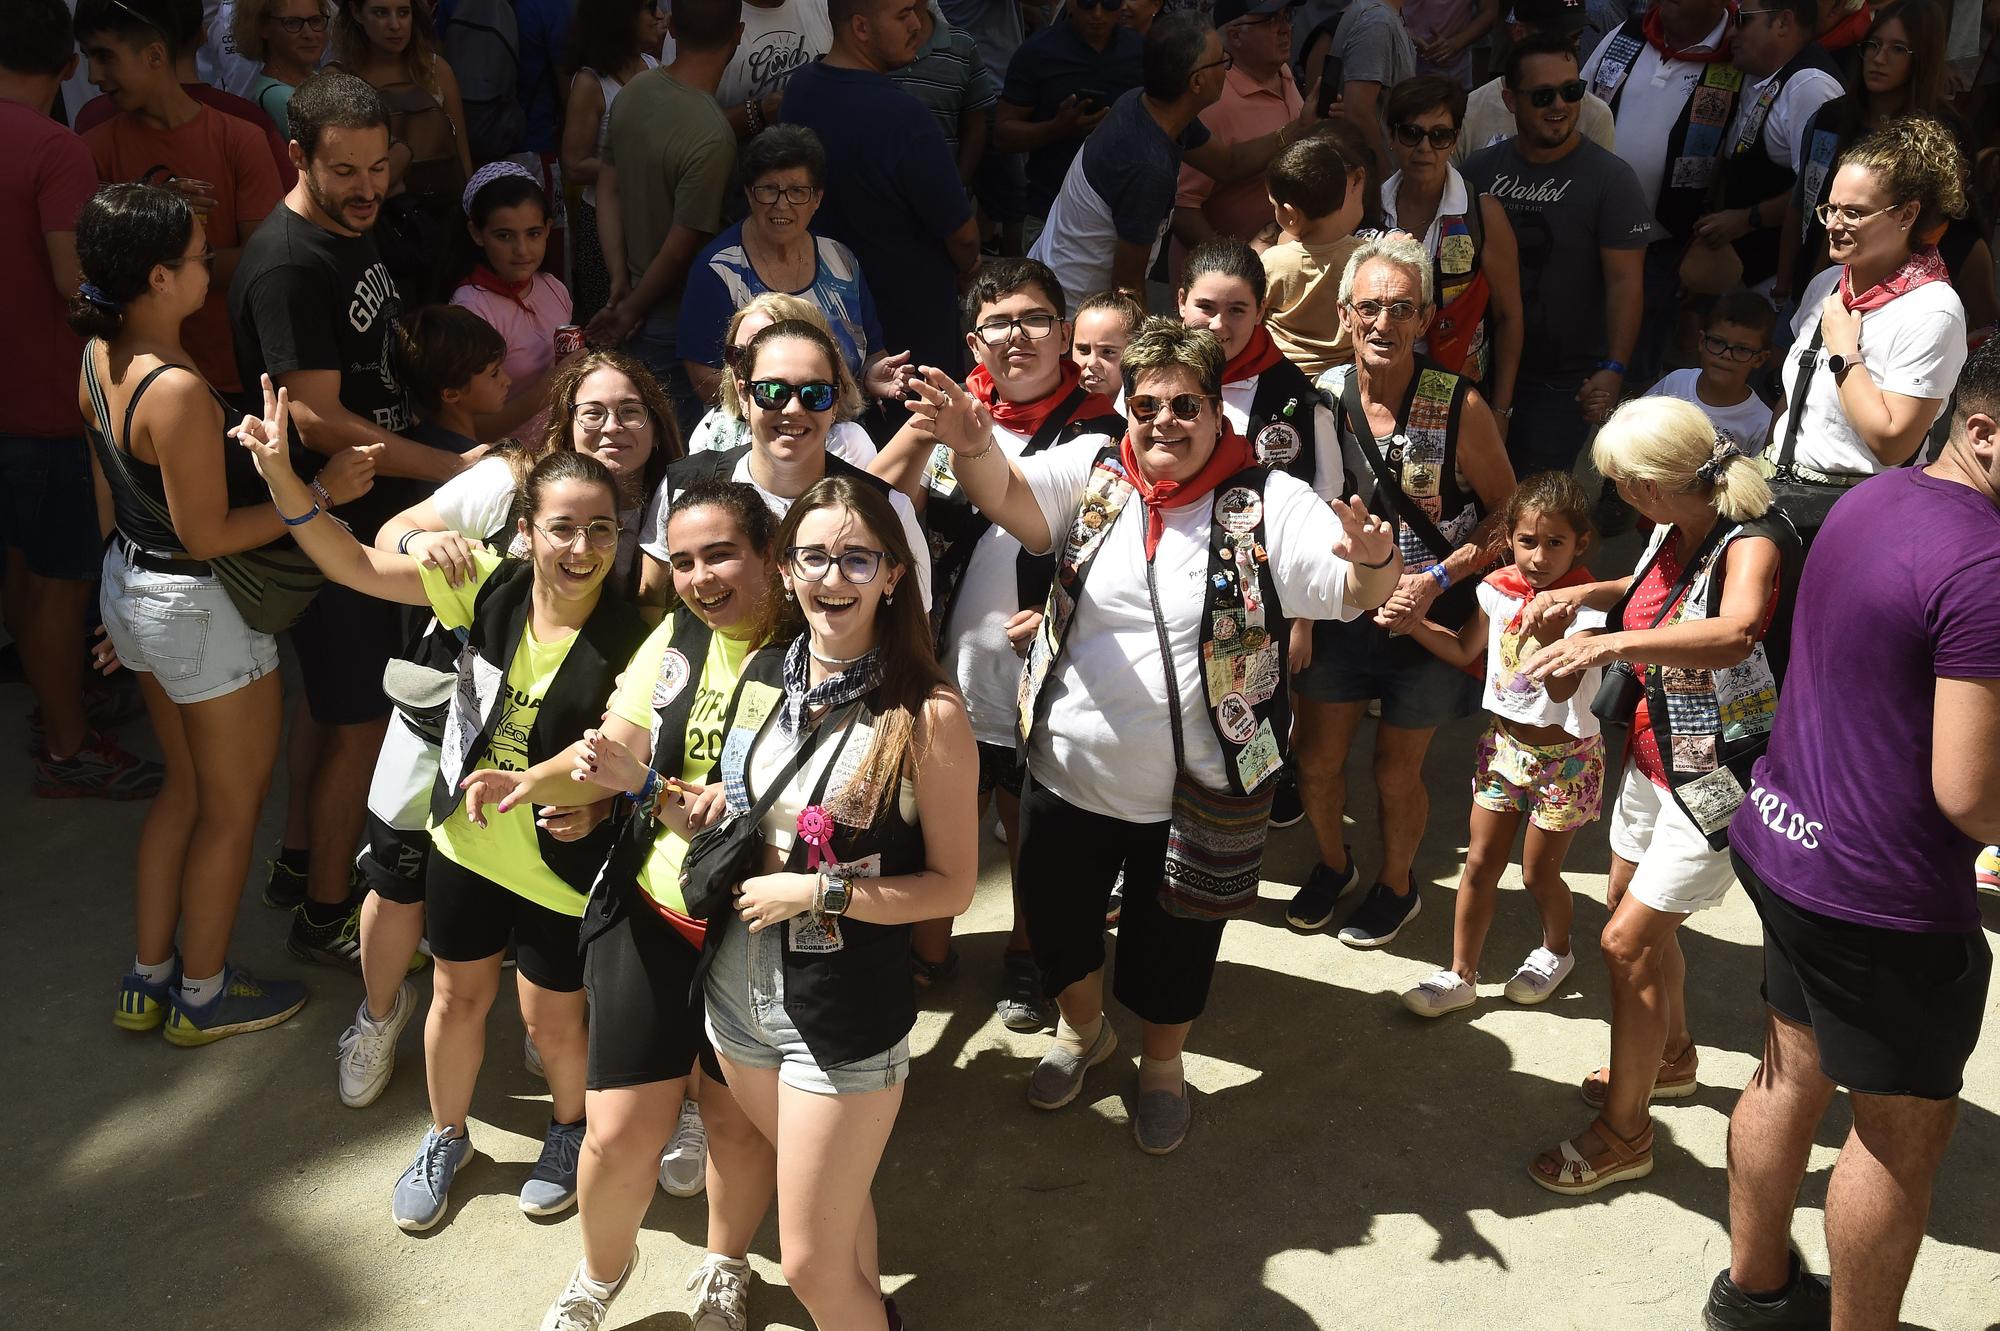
(796, 195)
(1034, 327)
(1441, 136)
(292, 27)
(815, 395)
(601, 534)
(1736, 351)
(1543, 98)
(858, 564)
(629, 415)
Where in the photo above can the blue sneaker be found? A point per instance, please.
(551, 1185)
(142, 1005)
(1381, 916)
(246, 1003)
(425, 1188)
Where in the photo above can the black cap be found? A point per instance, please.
(1565, 16)
(1228, 11)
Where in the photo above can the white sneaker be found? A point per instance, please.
(368, 1050)
(1539, 975)
(583, 1304)
(684, 1164)
(531, 1057)
(1438, 993)
(723, 1303)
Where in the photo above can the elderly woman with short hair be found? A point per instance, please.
(1179, 558)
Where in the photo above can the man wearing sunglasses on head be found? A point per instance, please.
(1487, 119)
(1581, 227)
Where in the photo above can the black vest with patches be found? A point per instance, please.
(1696, 142)
(1280, 426)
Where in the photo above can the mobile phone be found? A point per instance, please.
(1090, 100)
(1329, 86)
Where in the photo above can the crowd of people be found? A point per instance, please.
(708, 461)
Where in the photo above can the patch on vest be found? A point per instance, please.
(1277, 444)
(674, 676)
(813, 934)
(1237, 721)
(1240, 508)
(1259, 758)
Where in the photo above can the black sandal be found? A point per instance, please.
(929, 974)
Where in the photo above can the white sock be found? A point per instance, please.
(196, 992)
(601, 1290)
(158, 972)
(1078, 1039)
(1161, 1074)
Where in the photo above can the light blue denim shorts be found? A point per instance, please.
(748, 1024)
(182, 630)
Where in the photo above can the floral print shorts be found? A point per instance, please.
(1559, 786)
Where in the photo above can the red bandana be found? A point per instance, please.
(1655, 28)
(1920, 269)
(486, 279)
(1024, 418)
(1507, 580)
(1232, 454)
(1259, 354)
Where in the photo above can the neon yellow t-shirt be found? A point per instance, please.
(660, 877)
(505, 850)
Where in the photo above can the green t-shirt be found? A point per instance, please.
(505, 850)
(674, 155)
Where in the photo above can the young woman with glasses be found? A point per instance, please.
(545, 643)
(290, 37)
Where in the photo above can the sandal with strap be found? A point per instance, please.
(1674, 1081)
(930, 974)
(1567, 1170)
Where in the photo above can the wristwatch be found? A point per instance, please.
(836, 892)
(1836, 363)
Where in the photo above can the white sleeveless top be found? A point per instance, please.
(611, 88)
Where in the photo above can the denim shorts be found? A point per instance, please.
(48, 508)
(182, 630)
(748, 1024)
(1358, 661)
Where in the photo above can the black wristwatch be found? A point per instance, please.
(1836, 363)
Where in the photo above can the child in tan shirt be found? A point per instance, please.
(1318, 202)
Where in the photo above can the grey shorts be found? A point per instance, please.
(748, 1024)
(1358, 662)
(182, 630)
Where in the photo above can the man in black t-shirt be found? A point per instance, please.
(313, 306)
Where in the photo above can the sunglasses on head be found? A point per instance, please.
(815, 395)
(1184, 406)
(1543, 98)
(1441, 136)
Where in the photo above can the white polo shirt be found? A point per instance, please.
(1655, 93)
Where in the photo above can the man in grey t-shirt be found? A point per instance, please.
(1375, 55)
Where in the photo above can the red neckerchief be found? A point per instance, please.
(1507, 580)
(1259, 354)
(486, 279)
(1921, 269)
(1655, 29)
(1025, 418)
(1848, 31)
(1232, 454)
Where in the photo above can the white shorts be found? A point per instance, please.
(182, 630)
(1678, 873)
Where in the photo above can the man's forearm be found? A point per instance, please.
(1624, 307)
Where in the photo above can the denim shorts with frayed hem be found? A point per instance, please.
(182, 630)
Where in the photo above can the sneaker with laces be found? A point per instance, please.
(684, 1164)
(1381, 916)
(284, 886)
(1315, 903)
(424, 1190)
(1287, 808)
(722, 1299)
(335, 943)
(551, 1185)
(1438, 993)
(1024, 1007)
(98, 770)
(1986, 871)
(1804, 1304)
(142, 1004)
(368, 1049)
(1540, 974)
(246, 1003)
(103, 709)
(584, 1304)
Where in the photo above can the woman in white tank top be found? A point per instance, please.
(612, 43)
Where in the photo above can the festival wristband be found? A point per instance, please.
(1617, 367)
(298, 521)
(647, 789)
(325, 499)
(1443, 576)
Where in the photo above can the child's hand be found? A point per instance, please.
(1547, 617)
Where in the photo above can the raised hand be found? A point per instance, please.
(944, 411)
(267, 437)
(885, 377)
(1364, 538)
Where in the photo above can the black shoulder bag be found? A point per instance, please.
(1805, 502)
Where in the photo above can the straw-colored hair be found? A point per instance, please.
(1672, 444)
(247, 26)
(1405, 251)
(780, 307)
(1167, 344)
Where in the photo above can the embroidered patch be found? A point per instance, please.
(1259, 758)
(674, 676)
(1692, 172)
(1455, 253)
(813, 934)
(1277, 444)
(1239, 509)
(1712, 800)
(1227, 628)
(1694, 753)
(1234, 717)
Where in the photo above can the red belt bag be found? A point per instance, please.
(1452, 328)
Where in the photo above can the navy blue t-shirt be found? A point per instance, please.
(1055, 64)
(893, 196)
(543, 26)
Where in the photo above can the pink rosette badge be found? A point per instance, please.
(816, 830)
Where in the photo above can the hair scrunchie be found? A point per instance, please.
(489, 173)
(1718, 462)
(97, 296)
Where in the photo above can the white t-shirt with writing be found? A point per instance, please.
(1510, 695)
(1748, 422)
(776, 42)
(1105, 743)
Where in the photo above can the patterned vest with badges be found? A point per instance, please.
(1242, 638)
(955, 526)
(1749, 176)
(847, 982)
(1695, 143)
(574, 703)
(1280, 426)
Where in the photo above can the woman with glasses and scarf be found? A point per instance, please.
(1178, 558)
(861, 769)
(1880, 337)
(545, 641)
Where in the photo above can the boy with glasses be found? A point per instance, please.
(1734, 346)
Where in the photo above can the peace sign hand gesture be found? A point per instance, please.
(268, 438)
(947, 413)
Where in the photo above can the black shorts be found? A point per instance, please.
(393, 863)
(1893, 1012)
(645, 1018)
(1069, 860)
(999, 769)
(343, 641)
(470, 918)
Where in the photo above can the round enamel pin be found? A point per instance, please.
(1239, 509)
(1277, 444)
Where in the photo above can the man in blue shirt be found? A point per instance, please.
(544, 33)
(1059, 85)
(893, 193)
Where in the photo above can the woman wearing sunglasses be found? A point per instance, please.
(773, 249)
(289, 36)
(1176, 539)
(544, 644)
(726, 425)
(1879, 339)
(1477, 328)
(796, 393)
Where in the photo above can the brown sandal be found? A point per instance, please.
(1674, 1081)
(1565, 1169)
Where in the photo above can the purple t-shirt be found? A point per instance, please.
(1902, 588)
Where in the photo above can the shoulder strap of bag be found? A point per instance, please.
(1167, 659)
(808, 745)
(1407, 509)
(1055, 422)
(114, 449)
(1688, 571)
(1801, 386)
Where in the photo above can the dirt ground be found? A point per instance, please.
(1350, 1165)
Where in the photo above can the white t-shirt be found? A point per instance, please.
(1488, 121)
(718, 432)
(1650, 105)
(477, 502)
(1748, 422)
(217, 60)
(1511, 696)
(1784, 126)
(1106, 744)
(1914, 345)
(1236, 400)
(776, 42)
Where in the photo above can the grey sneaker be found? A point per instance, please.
(580, 1307)
(684, 1164)
(551, 1185)
(368, 1049)
(723, 1300)
(1058, 1078)
(425, 1188)
(1160, 1120)
(1025, 1007)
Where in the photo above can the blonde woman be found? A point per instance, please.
(1704, 619)
(289, 37)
